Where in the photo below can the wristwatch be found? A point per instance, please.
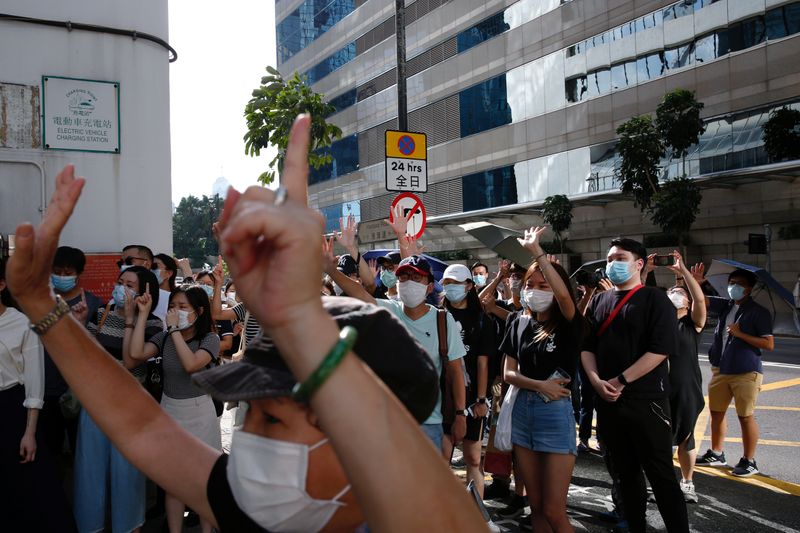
(172, 329)
(481, 401)
(621, 379)
(461, 412)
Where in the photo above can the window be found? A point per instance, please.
(649, 21)
(344, 100)
(650, 67)
(331, 63)
(482, 31)
(332, 214)
(345, 160)
(484, 106)
(711, 46)
(681, 9)
(623, 75)
(783, 21)
(746, 34)
(492, 188)
(599, 82)
(679, 57)
(576, 89)
(307, 23)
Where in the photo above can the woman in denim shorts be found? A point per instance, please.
(542, 346)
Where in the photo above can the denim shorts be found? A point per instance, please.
(435, 433)
(543, 427)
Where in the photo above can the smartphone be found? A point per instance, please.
(664, 260)
(558, 373)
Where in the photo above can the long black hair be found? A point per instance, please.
(5, 294)
(198, 299)
(172, 266)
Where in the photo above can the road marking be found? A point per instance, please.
(785, 384)
(752, 516)
(769, 408)
(762, 441)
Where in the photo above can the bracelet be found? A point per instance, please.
(481, 401)
(621, 379)
(61, 310)
(302, 392)
(540, 255)
(129, 326)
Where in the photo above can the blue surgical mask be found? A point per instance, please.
(119, 295)
(388, 278)
(618, 272)
(479, 280)
(736, 292)
(63, 283)
(455, 292)
(209, 290)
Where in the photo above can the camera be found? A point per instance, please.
(590, 279)
(664, 260)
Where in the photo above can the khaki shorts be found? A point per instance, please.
(742, 388)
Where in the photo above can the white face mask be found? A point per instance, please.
(515, 284)
(183, 319)
(678, 300)
(412, 293)
(537, 300)
(268, 481)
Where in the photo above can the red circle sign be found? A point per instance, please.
(415, 213)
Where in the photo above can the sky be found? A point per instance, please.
(223, 49)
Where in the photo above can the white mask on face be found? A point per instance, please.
(183, 319)
(268, 481)
(412, 293)
(678, 300)
(537, 300)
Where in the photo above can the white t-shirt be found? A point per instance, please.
(163, 304)
(728, 321)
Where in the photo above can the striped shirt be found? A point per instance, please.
(113, 332)
(251, 328)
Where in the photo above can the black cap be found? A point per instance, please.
(392, 258)
(384, 344)
(347, 265)
(415, 263)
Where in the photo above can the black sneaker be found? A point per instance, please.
(514, 508)
(495, 491)
(711, 458)
(745, 468)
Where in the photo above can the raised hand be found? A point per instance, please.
(173, 317)
(398, 221)
(503, 269)
(329, 261)
(273, 251)
(531, 241)
(650, 264)
(374, 267)
(699, 273)
(80, 311)
(678, 267)
(553, 259)
(130, 304)
(347, 235)
(28, 270)
(144, 302)
(411, 246)
(219, 272)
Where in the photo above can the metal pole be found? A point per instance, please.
(768, 235)
(400, 30)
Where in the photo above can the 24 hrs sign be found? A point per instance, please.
(406, 161)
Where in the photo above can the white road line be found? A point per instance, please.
(755, 518)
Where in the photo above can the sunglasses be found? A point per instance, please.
(129, 261)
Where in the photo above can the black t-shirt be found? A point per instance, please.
(477, 333)
(647, 323)
(539, 359)
(230, 517)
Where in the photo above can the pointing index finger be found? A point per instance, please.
(295, 169)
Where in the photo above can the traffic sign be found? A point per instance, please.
(406, 161)
(413, 210)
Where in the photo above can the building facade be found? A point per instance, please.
(79, 71)
(520, 100)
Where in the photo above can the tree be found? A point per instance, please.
(271, 112)
(678, 122)
(557, 213)
(675, 207)
(782, 134)
(192, 235)
(640, 148)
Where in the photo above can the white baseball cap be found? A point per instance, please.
(458, 273)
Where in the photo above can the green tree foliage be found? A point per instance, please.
(557, 213)
(271, 112)
(640, 148)
(675, 207)
(192, 235)
(782, 134)
(678, 122)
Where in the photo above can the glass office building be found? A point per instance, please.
(520, 100)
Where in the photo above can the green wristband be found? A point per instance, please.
(302, 392)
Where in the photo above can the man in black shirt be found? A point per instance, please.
(625, 357)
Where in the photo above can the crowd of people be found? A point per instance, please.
(353, 380)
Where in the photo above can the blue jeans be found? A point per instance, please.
(543, 427)
(99, 464)
(435, 433)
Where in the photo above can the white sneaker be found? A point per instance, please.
(689, 495)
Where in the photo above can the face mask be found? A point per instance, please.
(388, 278)
(158, 274)
(678, 300)
(455, 293)
(119, 295)
(337, 289)
(479, 280)
(736, 292)
(268, 481)
(231, 299)
(412, 293)
(515, 284)
(209, 290)
(537, 300)
(618, 272)
(63, 283)
(183, 319)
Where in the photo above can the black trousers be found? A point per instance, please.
(638, 437)
(31, 496)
